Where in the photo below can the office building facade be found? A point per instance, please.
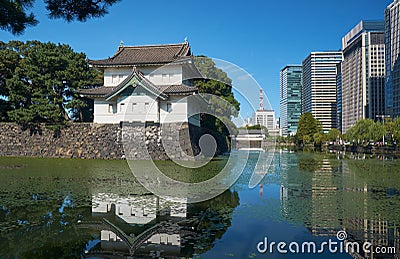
(290, 99)
(339, 96)
(319, 82)
(264, 118)
(363, 73)
(392, 44)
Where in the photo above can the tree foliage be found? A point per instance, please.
(393, 128)
(307, 128)
(15, 17)
(217, 83)
(365, 131)
(333, 134)
(38, 82)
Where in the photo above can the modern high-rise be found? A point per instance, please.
(339, 96)
(319, 82)
(363, 73)
(290, 99)
(392, 44)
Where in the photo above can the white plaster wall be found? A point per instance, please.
(132, 108)
(147, 109)
(172, 74)
(102, 113)
(109, 72)
(138, 108)
(195, 104)
(178, 113)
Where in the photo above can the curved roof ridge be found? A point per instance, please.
(142, 55)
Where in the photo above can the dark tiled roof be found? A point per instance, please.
(96, 92)
(145, 55)
(179, 89)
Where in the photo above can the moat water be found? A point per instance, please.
(67, 208)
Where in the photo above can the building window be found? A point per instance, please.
(110, 108)
(121, 109)
(115, 79)
(146, 106)
(134, 106)
(169, 107)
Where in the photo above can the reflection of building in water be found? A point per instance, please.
(295, 189)
(327, 195)
(137, 209)
(365, 217)
(326, 199)
(150, 227)
(140, 210)
(249, 140)
(309, 193)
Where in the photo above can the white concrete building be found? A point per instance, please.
(146, 84)
(264, 118)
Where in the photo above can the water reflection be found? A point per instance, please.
(327, 195)
(95, 209)
(152, 227)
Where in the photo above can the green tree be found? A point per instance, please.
(364, 131)
(39, 81)
(319, 138)
(333, 135)
(15, 17)
(395, 129)
(307, 128)
(217, 83)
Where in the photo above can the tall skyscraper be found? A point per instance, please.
(392, 44)
(339, 96)
(363, 73)
(290, 99)
(319, 76)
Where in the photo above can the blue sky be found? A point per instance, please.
(258, 36)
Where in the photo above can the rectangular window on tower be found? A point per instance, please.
(169, 107)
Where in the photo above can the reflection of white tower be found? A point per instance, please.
(138, 210)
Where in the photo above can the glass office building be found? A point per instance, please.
(290, 99)
(319, 82)
(392, 44)
(363, 73)
(339, 96)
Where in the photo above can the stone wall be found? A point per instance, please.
(103, 141)
(81, 140)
